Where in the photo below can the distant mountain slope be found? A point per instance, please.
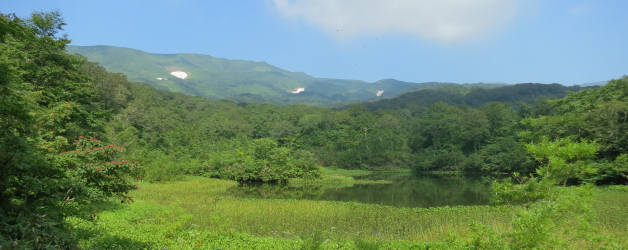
(473, 96)
(589, 84)
(238, 80)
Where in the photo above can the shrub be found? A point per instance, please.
(262, 160)
(94, 172)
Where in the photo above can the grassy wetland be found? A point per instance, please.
(198, 213)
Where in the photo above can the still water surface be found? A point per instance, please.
(405, 190)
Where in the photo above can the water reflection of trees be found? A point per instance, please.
(405, 191)
(280, 191)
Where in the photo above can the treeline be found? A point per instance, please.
(175, 134)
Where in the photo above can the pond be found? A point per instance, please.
(401, 190)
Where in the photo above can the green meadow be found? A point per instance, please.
(197, 213)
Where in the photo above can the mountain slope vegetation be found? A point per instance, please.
(238, 80)
(475, 95)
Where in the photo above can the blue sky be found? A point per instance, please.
(564, 41)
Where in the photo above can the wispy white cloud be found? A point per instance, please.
(439, 20)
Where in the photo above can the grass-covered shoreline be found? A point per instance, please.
(333, 175)
(196, 213)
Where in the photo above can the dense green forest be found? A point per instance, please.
(214, 138)
(74, 134)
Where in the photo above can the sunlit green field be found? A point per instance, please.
(196, 213)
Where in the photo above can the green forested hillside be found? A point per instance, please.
(260, 82)
(238, 80)
(474, 95)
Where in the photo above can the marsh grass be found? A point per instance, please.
(334, 171)
(611, 206)
(144, 225)
(197, 213)
(204, 200)
(333, 179)
(333, 175)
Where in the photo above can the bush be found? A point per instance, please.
(520, 190)
(262, 160)
(94, 172)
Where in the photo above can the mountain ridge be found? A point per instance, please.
(237, 79)
(248, 81)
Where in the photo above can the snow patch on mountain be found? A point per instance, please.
(380, 92)
(297, 90)
(179, 74)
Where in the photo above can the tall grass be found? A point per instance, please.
(198, 213)
(611, 207)
(204, 200)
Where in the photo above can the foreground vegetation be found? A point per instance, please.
(197, 213)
